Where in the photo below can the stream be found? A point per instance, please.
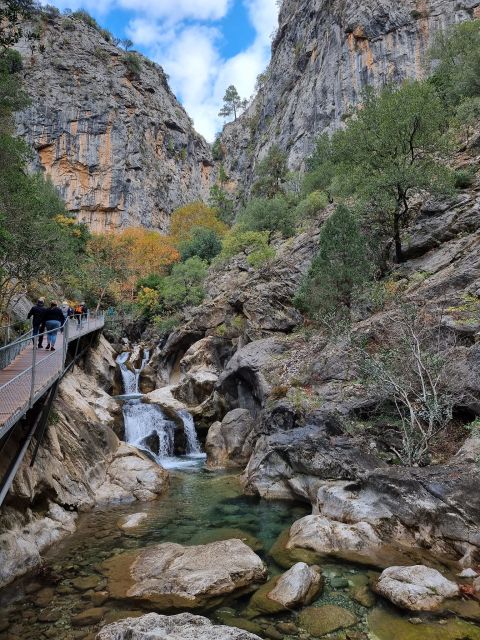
(67, 599)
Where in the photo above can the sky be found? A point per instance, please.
(203, 45)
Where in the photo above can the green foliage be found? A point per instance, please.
(217, 149)
(85, 17)
(390, 151)
(262, 214)
(254, 244)
(133, 64)
(184, 286)
(13, 14)
(222, 204)
(204, 243)
(456, 54)
(272, 173)
(320, 167)
(311, 206)
(340, 268)
(467, 117)
(232, 103)
(464, 178)
(12, 96)
(166, 324)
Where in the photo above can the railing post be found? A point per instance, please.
(34, 362)
(65, 342)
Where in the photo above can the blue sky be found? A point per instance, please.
(203, 45)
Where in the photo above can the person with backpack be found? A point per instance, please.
(54, 320)
(78, 312)
(37, 313)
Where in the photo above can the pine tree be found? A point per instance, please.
(340, 267)
(232, 103)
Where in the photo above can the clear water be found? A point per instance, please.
(200, 507)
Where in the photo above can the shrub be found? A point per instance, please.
(311, 206)
(132, 63)
(254, 244)
(184, 287)
(262, 214)
(464, 178)
(85, 17)
(217, 149)
(196, 214)
(204, 243)
(271, 173)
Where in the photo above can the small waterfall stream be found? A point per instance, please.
(146, 425)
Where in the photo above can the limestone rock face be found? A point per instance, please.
(297, 586)
(184, 626)
(171, 576)
(416, 588)
(227, 442)
(117, 144)
(323, 56)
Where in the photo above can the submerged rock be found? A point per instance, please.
(184, 626)
(416, 588)
(388, 625)
(171, 576)
(318, 621)
(131, 522)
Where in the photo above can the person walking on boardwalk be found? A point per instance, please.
(37, 313)
(67, 310)
(54, 319)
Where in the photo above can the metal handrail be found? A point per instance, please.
(20, 393)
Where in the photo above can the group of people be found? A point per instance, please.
(48, 320)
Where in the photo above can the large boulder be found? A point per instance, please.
(227, 442)
(416, 588)
(294, 464)
(170, 576)
(184, 626)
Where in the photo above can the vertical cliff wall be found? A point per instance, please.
(324, 54)
(114, 139)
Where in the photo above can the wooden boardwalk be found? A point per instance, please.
(34, 371)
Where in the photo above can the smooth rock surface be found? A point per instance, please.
(417, 588)
(227, 443)
(319, 621)
(297, 586)
(184, 626)
(171, 576)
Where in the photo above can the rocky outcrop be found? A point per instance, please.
(184, 626)
(171, 576)
(323, 56)
(298, 586)
(107, 129)
(228, 444)
(416, 588)
(81, 464)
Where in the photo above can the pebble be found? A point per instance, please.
(287, 628)
(33, 587)
(86, 583)
(272, 633)
(99, 598)
(49, 616)
(44, 597)
(88, 617)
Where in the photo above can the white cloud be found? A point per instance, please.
(180, 36)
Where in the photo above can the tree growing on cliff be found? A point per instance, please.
(195, 214)
(204, 243)
(339, 270)
(13, 14)
(272, 174)
(232, 103)
(393, 149)
(272, 215)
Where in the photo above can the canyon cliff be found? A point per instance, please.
(108, 131)
(324, 55)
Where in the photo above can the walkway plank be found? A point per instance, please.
(20, 389)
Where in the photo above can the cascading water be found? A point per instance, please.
(147, 427)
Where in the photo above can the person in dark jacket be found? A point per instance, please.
(54, 319)
(37, 313)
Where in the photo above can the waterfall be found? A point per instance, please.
(193, 445)
(146, 425)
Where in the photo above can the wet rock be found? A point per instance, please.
(44, 597)
(88, 617)
(170, 576)
(225, 533)
(287, 628)
(271, 632)
(319, 621)
(298, 586)
(49, 616)
(4, 624)
(86, 583)
(99, 598)
(417, 588)
(363, 596)
(180, 627)
(227, 444)
(115, 615)
(131, 522)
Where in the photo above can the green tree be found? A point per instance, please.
(272, 215)
(222, 203)
(184, 287)
(393, 148)
(253, 244)
(456, 57)
(320, 167)
(340, 268)
(232, 103)
(272, 174)
(204, 243)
